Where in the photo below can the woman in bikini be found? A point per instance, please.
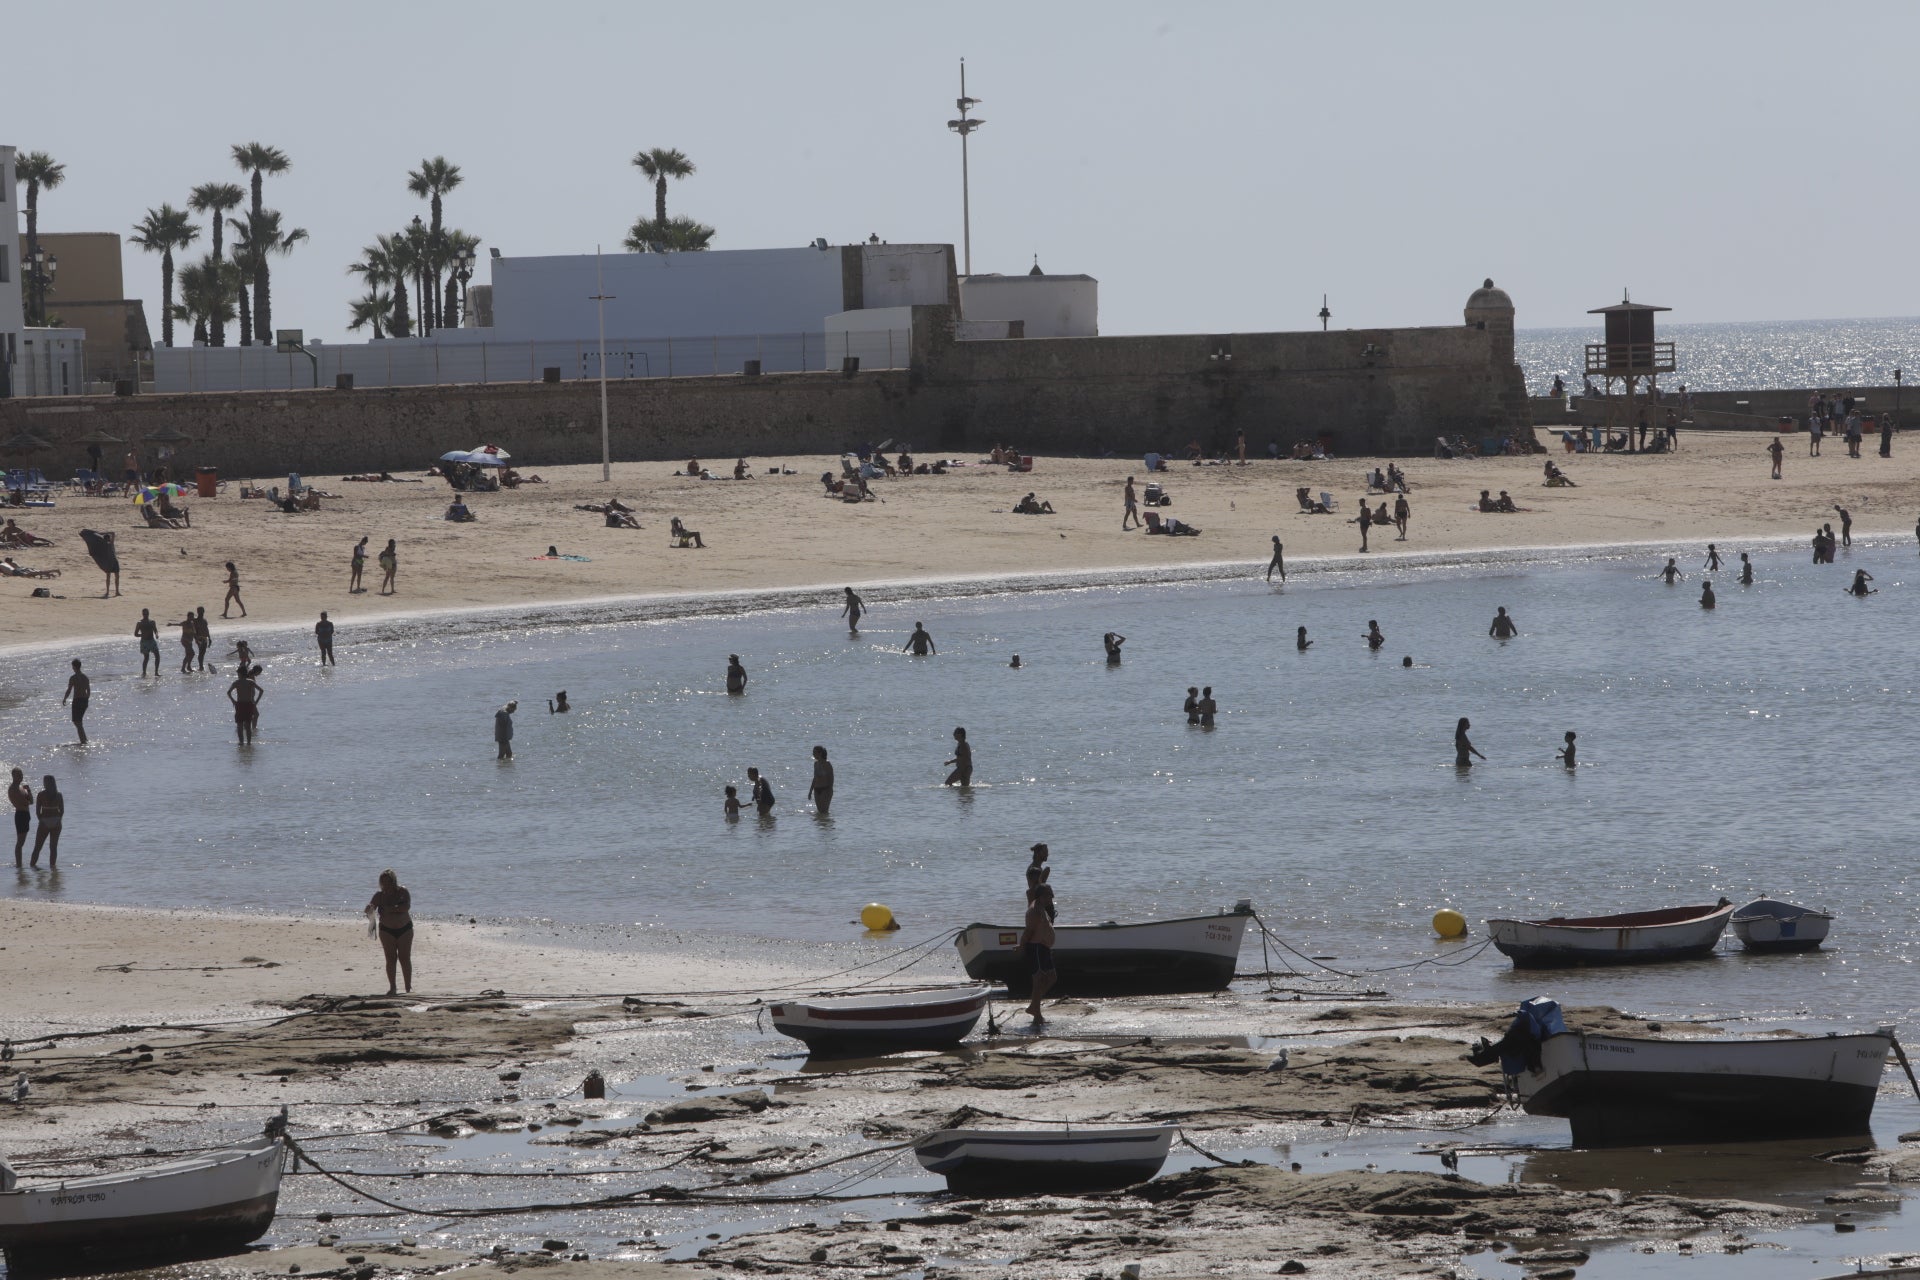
(392, 907)
(389, 565)
(233, 592)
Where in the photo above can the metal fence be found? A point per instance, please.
(416, 362)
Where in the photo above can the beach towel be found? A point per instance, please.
(100, 547)
(582, 559)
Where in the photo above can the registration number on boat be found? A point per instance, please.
(78, 1197)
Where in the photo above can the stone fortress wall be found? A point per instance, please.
(1362, 391)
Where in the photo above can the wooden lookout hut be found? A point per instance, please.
(1629, 355)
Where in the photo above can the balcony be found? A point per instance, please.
(1627, 359)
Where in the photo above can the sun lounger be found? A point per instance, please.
(1328, 501)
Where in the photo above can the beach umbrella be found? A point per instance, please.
(491, 450)
(165, 435)
(23, 442)
(99, 436)
(482, 459)
(454, 455)
(155, 492)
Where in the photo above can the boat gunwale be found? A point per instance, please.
(1664, 917)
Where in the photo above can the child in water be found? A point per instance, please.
(558, 703)
(1566, 757)
(733, 802)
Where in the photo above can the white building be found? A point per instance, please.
(33, 362)
(1044, 306)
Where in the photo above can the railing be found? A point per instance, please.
(1618, 358)
(415, 362)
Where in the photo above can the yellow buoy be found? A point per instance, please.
(1449, 923)
(876, 916)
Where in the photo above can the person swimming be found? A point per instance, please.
(1374, 637)
(1706, 595)
(1300, 640)
(1860, 580)
(557, 704)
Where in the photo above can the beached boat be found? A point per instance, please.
(882, 1023)
(1767, 924)
(1000, 1162)
(196, 1206)
(1633, 937)
(1621, 1091)
(1197, 953)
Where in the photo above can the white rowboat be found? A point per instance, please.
(1197, 953)
(998, 1162)
(202, 1204)
(1618, 1091)
(1633, 937)
(882, 1023)
(1768, 924)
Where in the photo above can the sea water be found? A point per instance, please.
(1743, 356)
(1766, 747)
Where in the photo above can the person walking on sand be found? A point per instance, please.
(1132, 509)
(1036, 942)
(51, 808)
(20, 796)
(820, 790)
(1366, 523)
(233, 591)
(1713, 559)
(148, 633)
(855, 606)
(962, 762)
(1279, 560)
(1402, 510)
(503, 730)
(1746, 570)
(245, 694)
(354, 586)
(1672, 572)
(389, 566)
(323, 633)
(1503, 627)
(1846, 525)
(1300, 640)
(80, 689)
(1706, 595)
(390, 911)
(1463, 748)
(1815, 428)
(919, 644)
(736, 674)
(1566, 755)
(1778, 451)
(202, 636)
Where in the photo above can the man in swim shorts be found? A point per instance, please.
(147, 631)
(80, 689)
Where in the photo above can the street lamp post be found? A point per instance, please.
(1325, 315)
(42, 267)
(600, 298)
(965, 125)
(1896, 395)
(463, 271)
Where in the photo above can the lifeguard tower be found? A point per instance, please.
(1629, 355)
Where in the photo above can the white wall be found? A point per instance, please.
(667, 295)
(50, 362)
(12, 313)
(880, 336)
(904, 275)
(1051, 306)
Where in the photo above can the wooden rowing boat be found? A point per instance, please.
(199, 1205)
(1004, 1162)
(883, 1023)
(1195, 953)
(1767, 924)
(1633, 937)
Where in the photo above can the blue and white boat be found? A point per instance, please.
(1768, 924)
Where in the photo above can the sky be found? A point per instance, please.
(1217, 166)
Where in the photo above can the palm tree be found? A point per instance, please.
(372, 309)
(162, 231)
(207, 290)
(676, 234)
(263, 239)
(216, 198)
(403, 254)
(245, 262)
(419, 258)
(38, 170)
(659, 164)
(453, 308)
(259, 160)
(432, 180)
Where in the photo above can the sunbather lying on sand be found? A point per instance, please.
(14, 536)
(11, 570)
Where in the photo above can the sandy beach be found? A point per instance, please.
(289, 992)
(780, 532)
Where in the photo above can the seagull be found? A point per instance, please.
(1450, 1161)
(1279, 1063)
(21, 1088)
(6, 1051)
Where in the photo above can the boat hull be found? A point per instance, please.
(1768, 925)
(1648, 937)
(1199, 953)
(841, 1028)
(1620, 1092)
(979, 1162)
(192, 1208)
